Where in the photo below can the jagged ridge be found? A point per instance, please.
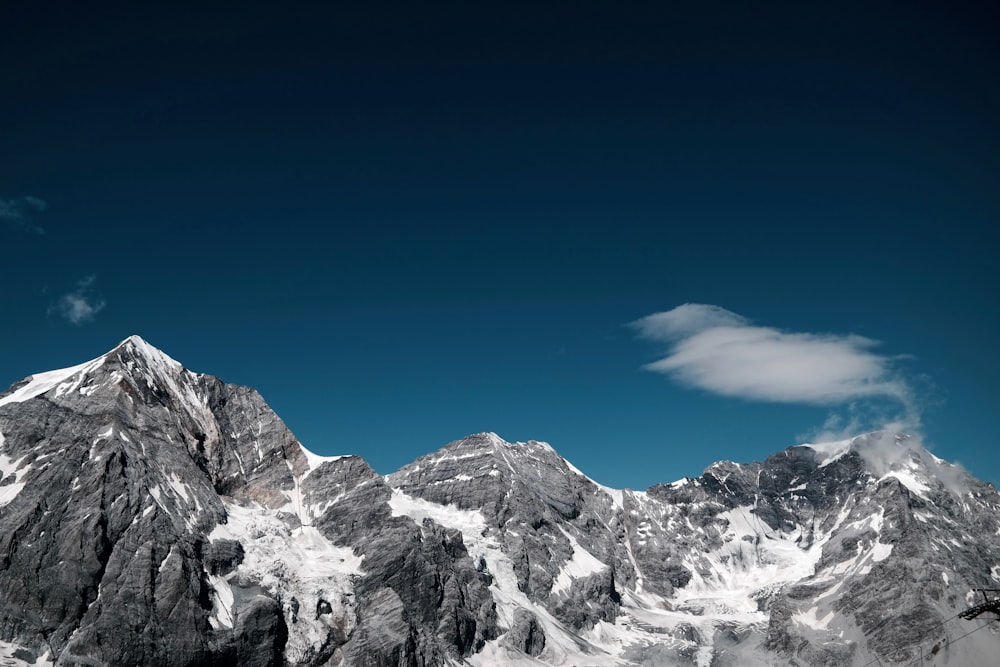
(157, 516)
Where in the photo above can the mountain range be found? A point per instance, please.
(150, 515)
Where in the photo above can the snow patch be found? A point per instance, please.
(880, 551)
(155, 492)
(180, 488)
(877, 520)
(830, 451)
(449, 516)
(41, 383)
(581, 564)
(809, 619)
(222, 603)
(12, 468)
(908, 479)
(315, 460)
(10, 654)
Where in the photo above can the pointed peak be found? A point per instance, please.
(134, 355)
(137, 348)
(134, 340)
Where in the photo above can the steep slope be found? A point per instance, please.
(150, 515)
(524, 513)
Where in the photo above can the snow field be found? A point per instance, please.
(288, 562)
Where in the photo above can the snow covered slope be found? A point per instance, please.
(823, 554)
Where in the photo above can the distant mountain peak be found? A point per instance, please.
(874, 445)
(895, 455)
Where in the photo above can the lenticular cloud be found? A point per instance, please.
(717, 350)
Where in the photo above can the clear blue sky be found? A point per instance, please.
(404, 223)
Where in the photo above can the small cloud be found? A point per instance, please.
(719, 351)
(837, 426)
(81, 305)
(857, 417)
(17, 212)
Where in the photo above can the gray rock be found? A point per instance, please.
(526, 634)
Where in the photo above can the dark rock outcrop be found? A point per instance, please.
(526, 634)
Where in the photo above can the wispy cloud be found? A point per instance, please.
(711, 348)
(80, 305)
(18, 213)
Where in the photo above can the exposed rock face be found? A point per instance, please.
(539, 511)
(150, 515)
(526, 634)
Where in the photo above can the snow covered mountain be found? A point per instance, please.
(150, 515)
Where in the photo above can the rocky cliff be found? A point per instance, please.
(150, 515)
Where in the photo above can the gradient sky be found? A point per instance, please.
(407, 222)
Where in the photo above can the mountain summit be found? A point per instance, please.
(151, 515)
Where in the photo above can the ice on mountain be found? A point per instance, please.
(471, 523)
(17, 655)
(41, 383)
(908, 479)
(809, 618)
(315, 460)
(15, 470)
(222, 602)
(581, 564)
(830, 451)
(881, 551)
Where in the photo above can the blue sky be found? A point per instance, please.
(406, 224)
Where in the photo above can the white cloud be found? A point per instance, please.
(81, 305)
(17, 212)
(719, 351)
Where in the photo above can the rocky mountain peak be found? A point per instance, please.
(136, 350)
(885, 455)
(132, 362)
